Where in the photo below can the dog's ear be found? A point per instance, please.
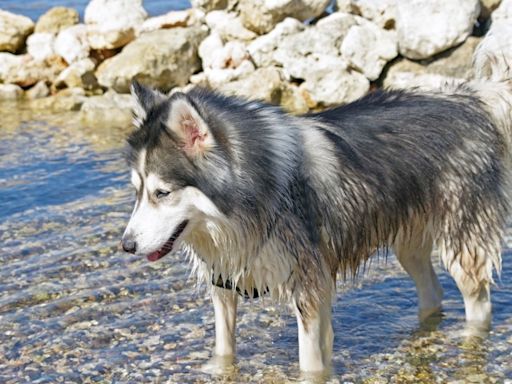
(144, 99)
(186, 123)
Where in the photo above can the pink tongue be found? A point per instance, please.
(154, 256)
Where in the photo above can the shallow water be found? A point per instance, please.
(73, 308)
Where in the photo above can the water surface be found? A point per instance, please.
(75, 309)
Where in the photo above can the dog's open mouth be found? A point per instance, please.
(167, 247)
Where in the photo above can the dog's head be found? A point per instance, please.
(174, 155)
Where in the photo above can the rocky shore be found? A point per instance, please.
(302, 54)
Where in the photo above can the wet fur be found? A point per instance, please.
(302, 200)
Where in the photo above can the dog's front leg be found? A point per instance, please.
(315, 338)
(224, 304)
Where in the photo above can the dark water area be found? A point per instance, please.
(35, 8)
(73, 308)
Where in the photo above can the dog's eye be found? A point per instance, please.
(160, 194)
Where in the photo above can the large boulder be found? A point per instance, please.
(112, 23)
(72, 44)
(426, 28)
(14, 29)
(454, 63)
(10, 92)
(41, 45)
(162, 59)
(261, 16)
(56, 19)
(108, 109)
(368, 48)
(503, 12)
(381, 12)
(228, 25)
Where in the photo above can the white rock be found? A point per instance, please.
(208, 48)
(336, 87)
(10, 92)
(263, 48)
(57, 19)
(172, 19)
(112, 23)
(381, 12)
(217, 76)
(78, 74)
(38, 91)
(228, 25)
(263, 84)
(425, 81)
(72, 44)
(41, 45)
(14, 29)
(429, 27)
(162, 59)
(262, 16)
(230, 55)
(108, 109)
(494, 54)
(503, 12)
(368, 48)
(336, 26)
(9, 63)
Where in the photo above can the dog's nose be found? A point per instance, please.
(129, 245)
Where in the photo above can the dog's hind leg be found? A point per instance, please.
(316, 337)
(413, 253)
(224, 304)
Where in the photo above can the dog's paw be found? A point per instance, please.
(219, 366)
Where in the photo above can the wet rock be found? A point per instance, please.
(381, 12)
(427, 28)
(56, 19)
(37, 91)
(161, 59)
(108, 109)
(456, 62)
(79, 74)
(173, 19)
(263, 48)
(72, 44)
(368, 48)
(41, 46)
(70, 99)
(261, 17)
(10, 92)
(228, 25)
(14, 29)
(112, 23)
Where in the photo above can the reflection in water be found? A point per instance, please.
(73, 307)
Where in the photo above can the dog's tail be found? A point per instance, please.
(492, 64)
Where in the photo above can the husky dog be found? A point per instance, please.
(268, 203)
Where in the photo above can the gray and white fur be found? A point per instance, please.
(284, 204)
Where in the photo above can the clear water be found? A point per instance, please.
(73, 308)
(35, 8)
